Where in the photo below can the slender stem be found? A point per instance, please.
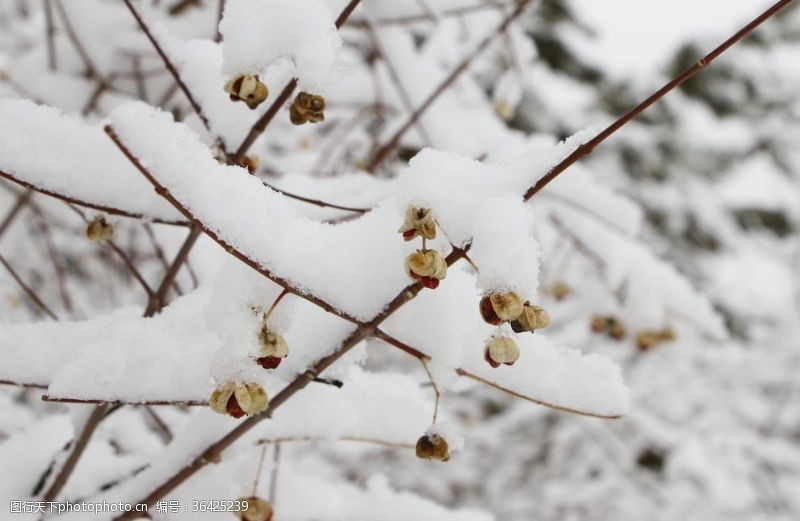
(160, 424)
(273, 478)
(356, 439)
(315, 202)
(77, 450)
(27, 289)
(383, 152)
(169, 65)
(257, 477)
(438, 394)
(274, 304)
(50, 32)
(54, 399)
(91, 70)
(158, 299)
(586, 148)
(22, 200)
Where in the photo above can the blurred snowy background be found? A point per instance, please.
(714, 427)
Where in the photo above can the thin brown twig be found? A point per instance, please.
(355, 439)
(169, 65)
(22, 200)
(27, 289)
(50, 32)
(77, 450)
(383, 152)
(315, 202)
(91, 69)
(105, 209)
(273, 477)
(161, 425)
(97, 401)
(586, 148)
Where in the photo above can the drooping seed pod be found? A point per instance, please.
(427, 266)
(99, 229)
(273, 348)
(247, 88)
(257, 509)
(307, 108)
(418, 221)
(533, 317)
(500, 307)
(238, 399)
(560, 291)
(647, 340)
(501, 350)
(250, 163)
(599, 324)
(615, 328)
(432, 447)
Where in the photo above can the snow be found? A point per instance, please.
(257, 34)
(42, 146)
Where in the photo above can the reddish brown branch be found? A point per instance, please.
(586, 148)
(383, 152)
(315, 202)
(98, 401)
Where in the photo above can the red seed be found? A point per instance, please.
(489, 359)
(429, 282)
(408, 235)
(487, 312)
(233, 407)
(269, 362)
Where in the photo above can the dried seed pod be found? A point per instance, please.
(247, 88)
(432, 447)
(501, 350)
(500, 307)
(647, 340)
(238, 399)
(532, 318)
(273, 348)
(419, 221)
(599, 324)
(560, 291)
(257, 509)
(307, 108)
(250, 163)
(99, 229)
(615, 329)
(427, 266)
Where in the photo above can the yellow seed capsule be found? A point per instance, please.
(273, 348)
(533, 317)
(99, 229)
(432, 447)
(238, 399)
(418, 221)
(257, 509)
(307, 108)
(427, 266)
(250, 163)
(506, 305)
(647, 340)
(501, 350)
(247, 88)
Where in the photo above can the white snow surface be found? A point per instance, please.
(48, 149)
(257, 34)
